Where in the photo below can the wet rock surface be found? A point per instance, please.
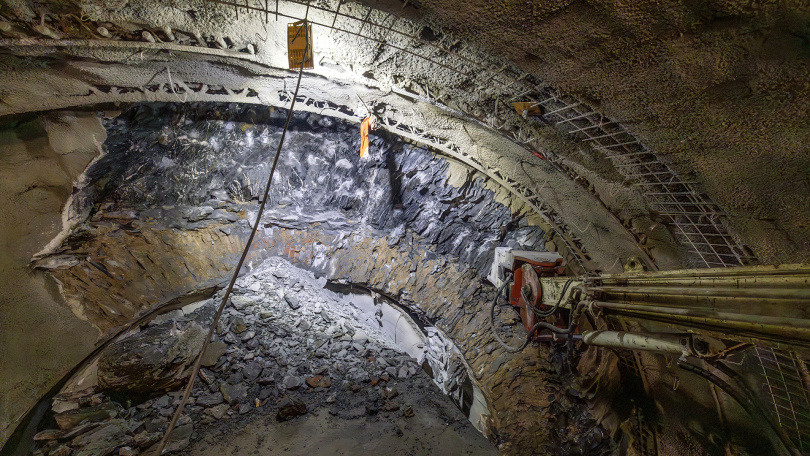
(405, 222)
(317, 362)
(320, 178)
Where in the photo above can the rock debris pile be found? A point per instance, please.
(284, 347)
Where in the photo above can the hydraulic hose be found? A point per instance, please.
(557, 330)
(537, 326)
(505, 346)
(551, 311)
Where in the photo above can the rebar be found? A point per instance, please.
(604, 140)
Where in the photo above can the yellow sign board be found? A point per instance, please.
(298, 35)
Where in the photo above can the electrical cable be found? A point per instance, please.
(197, 364)
(506, 347)
(551, 311)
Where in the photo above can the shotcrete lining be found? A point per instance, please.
(489, 153)
(40, 338)
(343, 49)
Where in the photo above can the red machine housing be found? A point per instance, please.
(527, 272)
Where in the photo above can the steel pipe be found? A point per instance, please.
(790, 331)
(661, 343)
(802, 294)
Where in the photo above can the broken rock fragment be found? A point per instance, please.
(292, 301)
(233, 394)
(72, 418)
(157, 359)
(319, 382)
(289, 408)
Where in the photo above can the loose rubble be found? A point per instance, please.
(267, 362)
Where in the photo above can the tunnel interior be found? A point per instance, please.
(646, 166)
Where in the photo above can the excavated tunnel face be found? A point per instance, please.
(156, 222)
(189, 177)
(162, 216)
(136, 139)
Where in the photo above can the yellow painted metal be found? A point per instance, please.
(298, 34)
(767, 305)
(552, 288)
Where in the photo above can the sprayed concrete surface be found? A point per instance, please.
(718, 89)
(40, 338)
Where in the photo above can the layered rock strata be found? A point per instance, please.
(169, 208)
(268, 362)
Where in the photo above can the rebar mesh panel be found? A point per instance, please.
(692, 217)
(789, 400)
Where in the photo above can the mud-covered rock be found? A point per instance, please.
(289, 408)
(72, 418)
(157, 359)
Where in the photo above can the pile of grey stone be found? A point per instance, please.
(284, 347)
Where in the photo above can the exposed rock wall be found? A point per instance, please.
(118, 267)
(169, 207)
(169, 204)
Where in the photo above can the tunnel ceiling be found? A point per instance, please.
(642, 151)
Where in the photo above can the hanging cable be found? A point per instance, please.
(506, 347)
(197, 363)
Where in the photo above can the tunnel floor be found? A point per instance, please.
(293, 369)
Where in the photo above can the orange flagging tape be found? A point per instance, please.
(364, 127)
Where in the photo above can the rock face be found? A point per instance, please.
(147, 192)
(312, 349)
(405, 222)
(320, 178)
(156, 359)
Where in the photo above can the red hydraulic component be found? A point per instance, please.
(526, 286)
